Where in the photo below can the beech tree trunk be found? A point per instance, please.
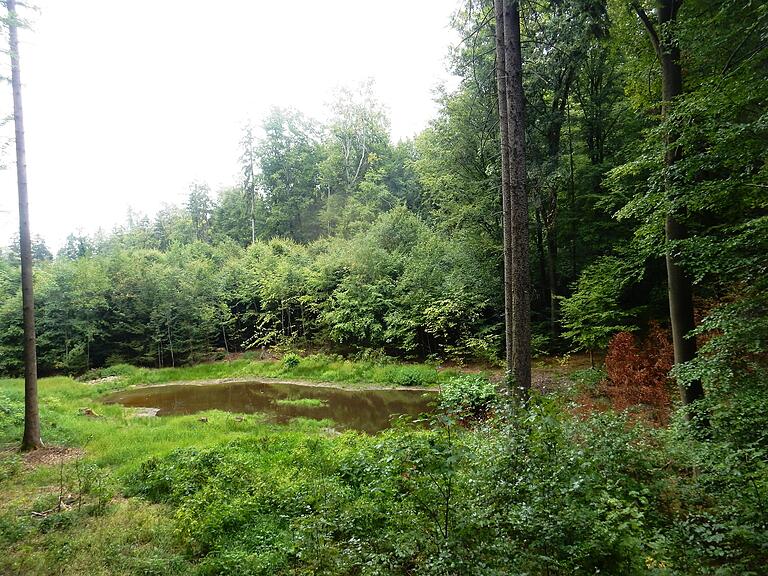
(680, 287)
(31, 439)
(514, 197)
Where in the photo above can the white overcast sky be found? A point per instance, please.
(126, 103)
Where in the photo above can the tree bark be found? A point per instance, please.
(520, 369)
(501, 83)
(31, 439)
(680, 287)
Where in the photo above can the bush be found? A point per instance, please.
(468, 395)
(11, 415)
(532, 492)
(291, 360)
(638, 374)
(120, 370)
(411, 376)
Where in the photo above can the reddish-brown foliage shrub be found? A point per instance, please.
(638, 374)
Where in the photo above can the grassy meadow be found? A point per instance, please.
(91, 449)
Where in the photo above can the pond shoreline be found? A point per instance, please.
(267, 380)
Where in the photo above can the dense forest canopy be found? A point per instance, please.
(338, 237)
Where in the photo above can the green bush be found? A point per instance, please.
(11, 415)
(468, 395)
(588, 379)
(291, 360)
(536, 491)
(412, 376)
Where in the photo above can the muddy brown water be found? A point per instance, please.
(367, 410)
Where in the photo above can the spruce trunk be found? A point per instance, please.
(501, 84)
(31, 439)
(521, 297)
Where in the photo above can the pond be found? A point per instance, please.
(367, 410)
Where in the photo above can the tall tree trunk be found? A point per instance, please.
(539, 222)
(31, 439)
(501, 83)
(170, 343)
(680, 287)
(552, 280)
(521, 281)
(571, 197)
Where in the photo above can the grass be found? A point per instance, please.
(105, 533)
(301, 402)
(127, 536)
(315, 368)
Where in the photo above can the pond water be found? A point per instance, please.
(367, 410)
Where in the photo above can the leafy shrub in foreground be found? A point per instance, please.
(532, 491)
(470, 395)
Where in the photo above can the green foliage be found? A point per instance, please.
(304, 402)
(540, 492)
(591, 315)
(11, 413)
(588, 379)
(413, 376)
(468, 395)
(291, 360)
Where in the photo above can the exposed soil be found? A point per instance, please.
(45, 456)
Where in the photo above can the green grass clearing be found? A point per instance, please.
(301, 402)
(314, 368)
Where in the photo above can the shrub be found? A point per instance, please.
(411, 376)
(291, 360)
(469, 395)
(11, 414)
(638, 374)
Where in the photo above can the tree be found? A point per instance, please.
(681, 313)
(31, 439)
(248, 169)
(199, 208)
(591, 315)
(288, 162)
(515, 201)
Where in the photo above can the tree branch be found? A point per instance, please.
(650, 28)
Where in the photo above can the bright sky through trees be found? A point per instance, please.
(127, 105)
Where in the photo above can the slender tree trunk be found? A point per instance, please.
(501, 83)
(31, 439)
(170, 344)
(253, 217)
(552, 281)
(571, 196)
(540, 251)
(680, 287)
(521, 281)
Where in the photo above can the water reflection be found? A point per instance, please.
(367, 410)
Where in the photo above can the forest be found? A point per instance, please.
(344, 256)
